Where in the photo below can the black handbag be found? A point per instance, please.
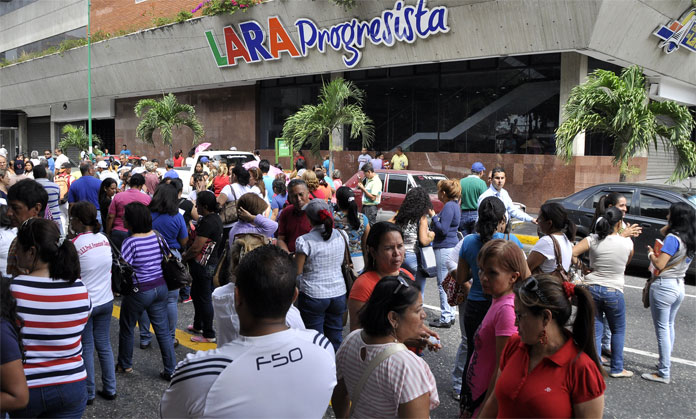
(122, 274)
(349, 274)
(176, 274)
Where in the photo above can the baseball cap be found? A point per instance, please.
(314, 207)
(103, 165)
(478, 167)
(204, 159)
(143, 158)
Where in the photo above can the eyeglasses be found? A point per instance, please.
(402, 283)
(531, 284)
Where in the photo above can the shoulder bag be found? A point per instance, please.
(228, 215)
(122, 273)
(649, 281)
(349, 274)
(559, 272)
(381, 357)
(175, 273)
(425, 255)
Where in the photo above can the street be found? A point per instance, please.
(139, 393)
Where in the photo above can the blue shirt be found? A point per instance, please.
(470, 249)
(279, 201)
(268, 183)
(51, 164)
(326, 164)
(127, 152)
(171, 227)
(172, 174)
(512, 211)
(85, 188)
(445, 226)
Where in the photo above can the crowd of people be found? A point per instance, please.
(269, 258)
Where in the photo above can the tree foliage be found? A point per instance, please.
(165, 115)
(340, 103)
(618, 107)
(75, 136)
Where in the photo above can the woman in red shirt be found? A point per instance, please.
(178, 159)
(221, 180)
(545, 370)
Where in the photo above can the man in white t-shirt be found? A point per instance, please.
(271, 370)
(60, 158)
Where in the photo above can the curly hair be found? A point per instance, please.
(416, 204)
(311, 180)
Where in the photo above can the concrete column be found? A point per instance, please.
(573, 73)
(23, 133)
(337, 134)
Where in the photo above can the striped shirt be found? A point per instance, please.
(53, 192)
(55, 313)
(397, 380)
(144, 255)
(321, 276)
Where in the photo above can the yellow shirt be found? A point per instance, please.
(399, 162)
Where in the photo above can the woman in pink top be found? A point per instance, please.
(114, 224)
(501, 263)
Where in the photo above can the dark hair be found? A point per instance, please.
(241, 174)
(367, 167)
(345, 200)
(8, 311)
(198, 177)
(177, 183)
(416, 204)
(490, 212)
(399, 148)
(62, 259)
(39, 172)
(279, 186)
(86, 212)
(385, 298)
(606, 201)
(206, 199)
(195, 167)
(300, 163)
(85, 166)
(377, 231)
(32, 165)
(558, 216)
(252, 203)
(265, 166)
(605, 225)
(297, 182)
(138, 218)
(550, 295)
(5, 221)
(497, 169)
(266, 281)
(136, 180)
(30, 193)
(682, 223)
(165, 200)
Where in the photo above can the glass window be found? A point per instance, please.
(382, 177)
(397, 184)
(428, 182)
(653, 207)
(592, 201)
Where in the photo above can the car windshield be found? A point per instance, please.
(692, 199)
(428, 182)
(232, 159)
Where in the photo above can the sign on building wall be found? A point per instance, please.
(403, 23)
(679, 33)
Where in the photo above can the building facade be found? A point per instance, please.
(452, 82)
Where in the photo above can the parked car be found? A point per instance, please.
(395, 185)
(229, 157)
(647, 206)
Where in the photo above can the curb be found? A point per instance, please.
(526, 239)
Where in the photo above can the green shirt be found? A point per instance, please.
(472, 187)
(374, 187)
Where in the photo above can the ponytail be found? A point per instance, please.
(60, 254)
(327, 222)
(605, 225)
(346, 202)
(583, 326)
(490, 212)
(558, 216)
(66, 263)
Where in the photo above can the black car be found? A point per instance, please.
(647, 206)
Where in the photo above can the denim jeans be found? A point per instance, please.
(118, 236)
(202, 296)
(411, 265)
(325, 315)
(468, 221)
(97, 334)
(58, 401)
(606, 336)
(610, 303)
(460, 360)
(154, 301)
(666, 295)
(446, 312)
(172, 317)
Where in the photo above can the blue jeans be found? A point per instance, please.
(606, 336)
(468, 221)
(446, 312)
(325, 315)
(666, 295)
(97, 334)
(610, 302)
(411, 265)
(58, 401)
(172, 316)
(460, 360)
(118, 236)
(154, 301)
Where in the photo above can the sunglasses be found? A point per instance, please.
(402, 284)
(531, 285)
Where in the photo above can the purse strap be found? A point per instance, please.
(386, 353)
(671, 265)
(347, 260)
(159, 242)
(557, 254)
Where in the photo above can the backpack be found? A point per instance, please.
(63, 182)
(242, 244)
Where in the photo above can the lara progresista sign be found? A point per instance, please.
(403, 23)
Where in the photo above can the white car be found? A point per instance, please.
(229, 157)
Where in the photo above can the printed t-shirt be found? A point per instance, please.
(211, 228)
(550, 390)
(55, 312)
(362, 159)
(499, 321)
(85, 188)
(119, 202)
(94, 250)
(608, 260)
(366, 283)
(9, 342)
(292, 224)
(469, 252)
(171, 227)
(402, 377)
(144, 255)
(296, 368)
(545, 247)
